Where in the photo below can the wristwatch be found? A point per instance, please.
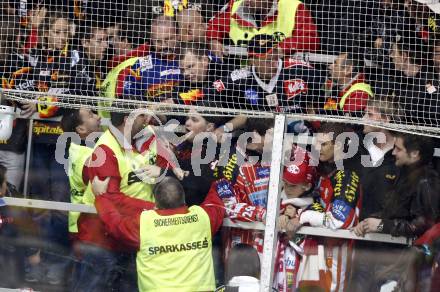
(380, 226)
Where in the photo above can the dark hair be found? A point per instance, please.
(2, 174)
(70, 120)
(88, 29)
(169, 194)
(117, 118)
(243, 260)
(196, 48)
(425, 145)
(49, 20)
(260, 125)
(336, 128)
(415, 47)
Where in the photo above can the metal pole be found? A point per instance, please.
(28, 157)
(273, 202)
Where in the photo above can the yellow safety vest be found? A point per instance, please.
(128, 162)
(356, 87)
(284, 24)
(77, 157)
(108, 86)
(175, 252)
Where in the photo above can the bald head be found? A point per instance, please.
(169, 194)
(163, 36)
(192, 26)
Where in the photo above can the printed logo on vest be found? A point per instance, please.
(218, 85)
(251, 96)
(341, 210)
(294, 87)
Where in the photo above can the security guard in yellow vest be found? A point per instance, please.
(173, 241)
(239, 21)
(352, 91)
(83, 122)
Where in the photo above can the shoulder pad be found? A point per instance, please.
(240, 74)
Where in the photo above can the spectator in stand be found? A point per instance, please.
(123, 43)
(411, 207)
(436, 58)
(273, 83)
(378, 178)
(196, 187)
(191, 26)
(242, 184)
(12, 151)
(94, 44)
(349, 90)
(153, 78)
(239, 22)
(170, 255)
(340, 198)
(412, 81)
(299, 179)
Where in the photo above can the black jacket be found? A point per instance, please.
(413, 205)
(377, 182)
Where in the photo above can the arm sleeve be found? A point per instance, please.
(214, 207)
(424, 211)
(342, 213)
(121, 227)
(305, 35)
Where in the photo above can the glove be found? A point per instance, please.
(313, 218)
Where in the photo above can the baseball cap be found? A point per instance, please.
(261, 45)
(296, 172)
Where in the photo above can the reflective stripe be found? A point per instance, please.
(356, 87)
(285, 22)
(78, 155)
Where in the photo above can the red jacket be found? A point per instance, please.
(304, 37)
(90, 227)
(140, 51)
(126, 227)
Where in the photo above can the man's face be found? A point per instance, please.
(191, 25)
(97, 45)
(195, 124)
(327, 150)
(91, 122)
(266, 66)
(371, 114)
(403, 157)
(294, 190)
(338, 70)
(194, 68)
(58, 34)
(164, 39)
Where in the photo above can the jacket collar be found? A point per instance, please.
(245, 18)
(358, 78)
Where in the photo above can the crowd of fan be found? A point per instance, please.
(174, 52)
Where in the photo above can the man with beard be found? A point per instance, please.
(153, 77)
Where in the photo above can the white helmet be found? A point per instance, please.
(7, 115)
